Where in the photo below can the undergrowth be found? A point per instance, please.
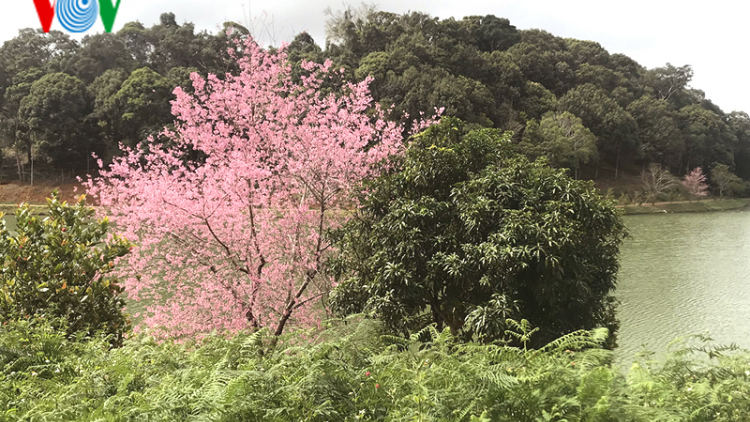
(355, 372)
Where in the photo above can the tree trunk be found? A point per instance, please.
(30, 159)
(617, 163)
(18, 164)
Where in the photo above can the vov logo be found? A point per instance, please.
(77, 15)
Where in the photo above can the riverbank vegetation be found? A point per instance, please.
(694, 206)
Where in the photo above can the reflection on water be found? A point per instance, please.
(684, 274)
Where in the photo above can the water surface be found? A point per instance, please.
(684, 274)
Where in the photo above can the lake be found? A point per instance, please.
(684, 274)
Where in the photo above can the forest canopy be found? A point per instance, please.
(600, 114)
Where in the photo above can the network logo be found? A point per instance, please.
(77, 15)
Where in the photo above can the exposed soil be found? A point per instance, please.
(17, 192)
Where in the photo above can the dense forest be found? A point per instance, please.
(599, 114)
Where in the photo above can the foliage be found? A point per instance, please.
(60, 267)
(143, 99)
(231, 218)
(695, 183)
(481, 69)
(51, 111)
(356, 373)
(562, 138)
(725, 181)
(466, 234)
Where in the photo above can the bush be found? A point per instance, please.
(58, 266)
(467, 233)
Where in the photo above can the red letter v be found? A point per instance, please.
(46, 12)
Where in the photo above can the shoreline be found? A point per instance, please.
(706, 205)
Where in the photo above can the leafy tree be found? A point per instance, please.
(60, 266)
(613, 126)
(739, 123)
(32, 48)
(695, 183)
(669, 80)
(708, 138)
(492, 33)
(138, 42)
(726, 181)
(54, 112)
(15, 130)
(466, 234)
(143, 99)
(658, 132)
(236, 238)
(99, 53)
(179, 46)
(107, 110)
(536, 100)
(562, 138)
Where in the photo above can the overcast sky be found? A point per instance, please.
(710, 37)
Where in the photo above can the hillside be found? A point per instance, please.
(599, 113)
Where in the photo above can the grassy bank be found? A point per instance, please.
(695, 206)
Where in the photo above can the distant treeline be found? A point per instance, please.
(599, 114)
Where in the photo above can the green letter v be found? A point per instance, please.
(108, 12)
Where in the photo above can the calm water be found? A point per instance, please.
(684, 274)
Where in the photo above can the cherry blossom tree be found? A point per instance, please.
(235, 238)
(695, 183)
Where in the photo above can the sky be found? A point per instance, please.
(710, 36)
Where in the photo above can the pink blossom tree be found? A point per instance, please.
(695, 183)
(235, 239)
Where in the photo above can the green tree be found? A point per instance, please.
(138, 42)
(725, 181)
(466, 234)
(54, 112)
(669, 80)
(99, 53)
(107, 110)
(15, 130)
(708, 138)
(59, 266)
(658, 132)
(492, 33)
(739, 122)
(613, 126)
(144, 100)
(562, 138)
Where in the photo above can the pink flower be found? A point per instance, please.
(245, 223)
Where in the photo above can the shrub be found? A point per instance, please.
(467, 234)
(58, 266)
